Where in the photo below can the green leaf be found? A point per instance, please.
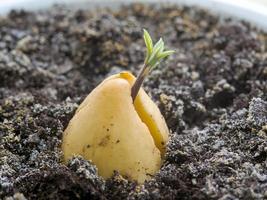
(149, 42)
(153, 64)
(165, 54)
(158, 45)
(156, 49)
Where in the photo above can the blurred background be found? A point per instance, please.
(254, 11)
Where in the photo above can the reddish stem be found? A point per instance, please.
(139, 81)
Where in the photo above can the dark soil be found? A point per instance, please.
(212, 92)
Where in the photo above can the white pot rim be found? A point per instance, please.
(253, 11)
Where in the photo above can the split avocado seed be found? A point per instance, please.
(119, 131)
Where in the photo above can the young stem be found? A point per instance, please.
(139, 81)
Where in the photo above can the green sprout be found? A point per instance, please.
(154, 55)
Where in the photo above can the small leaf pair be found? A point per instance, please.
(154, 53)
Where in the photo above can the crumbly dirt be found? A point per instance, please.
(212, 93)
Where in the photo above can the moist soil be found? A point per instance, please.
(212, 93)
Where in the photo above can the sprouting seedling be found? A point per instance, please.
(154, 55)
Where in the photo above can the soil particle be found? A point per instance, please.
(257, 113)
(212, 93)
(66, 183)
